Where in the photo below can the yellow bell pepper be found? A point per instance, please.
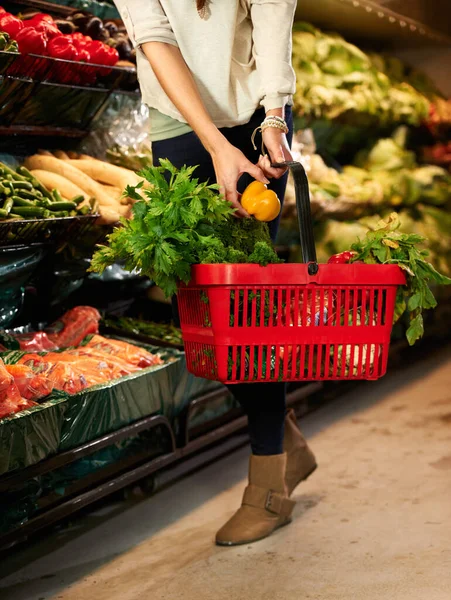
(260, 202)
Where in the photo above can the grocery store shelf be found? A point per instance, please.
(46, 7)
(369, 23)
(40, 130)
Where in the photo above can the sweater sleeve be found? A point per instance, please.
(145, 21)
(272, 22)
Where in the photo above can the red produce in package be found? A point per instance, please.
(10, 399)
(62, 375)
(35, 342)
(72, 328)
(131, 354)
(31, 385)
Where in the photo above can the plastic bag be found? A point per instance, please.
(35, 342)
(113, 362)
(74, 326)
(132, 354)
(62, 375)
(123, 127)
(31, 385)
(10, 399)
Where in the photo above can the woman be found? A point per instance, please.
(212, 72)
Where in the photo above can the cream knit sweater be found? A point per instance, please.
(240, 56)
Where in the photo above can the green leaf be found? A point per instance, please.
(415, 330)
(429, 270)
(415, 302)
(400, 305)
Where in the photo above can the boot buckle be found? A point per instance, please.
(269, 505)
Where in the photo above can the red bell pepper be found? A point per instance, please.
(45, 23)
(2, 10)
(10, 25)
(84, 55)
(80, 40)
(101, 54)
(62, 47)
(31, 41)
(342, 258)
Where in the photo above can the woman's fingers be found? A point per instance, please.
(265, 164)
(231, 194)
(276, 143)
(256, 172)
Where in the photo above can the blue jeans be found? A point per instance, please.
(264, 403)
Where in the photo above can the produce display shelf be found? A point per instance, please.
(175, 451)
(45, 7)
(43, 130)
(369, 22)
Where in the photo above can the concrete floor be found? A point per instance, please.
(374, 522)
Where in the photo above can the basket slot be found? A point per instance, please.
(360, 361)
(296, 308)
(327, 360)
(275, 362)
(245, 307)
(256, 298)
(372, 299)
(322, 315)
(251, 362)
(318, 361)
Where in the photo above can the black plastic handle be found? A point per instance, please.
(304, 213)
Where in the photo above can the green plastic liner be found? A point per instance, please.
(64, 421)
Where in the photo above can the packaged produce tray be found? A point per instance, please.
(64, 421)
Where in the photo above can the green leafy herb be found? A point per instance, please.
(386, 245)
(180, 222)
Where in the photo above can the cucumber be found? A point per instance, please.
(22, 185)
(28, 195)
(57, 196)
(7, 171)
(30, 211)
(8, 204)
(18, 201)
(63, 205)
(36, 184)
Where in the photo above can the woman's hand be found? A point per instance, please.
(230, 163)
(276, 143)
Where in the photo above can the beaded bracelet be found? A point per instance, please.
(271, 121)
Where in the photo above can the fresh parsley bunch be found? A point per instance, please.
(178, 222)
(386, 245)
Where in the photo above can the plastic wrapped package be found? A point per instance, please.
(11, 400)
(131, 353)
(123, 128)
(31, 385)
(72, 328)
(62, 375)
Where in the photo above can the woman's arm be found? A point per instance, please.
(273, 22)
(178, 83)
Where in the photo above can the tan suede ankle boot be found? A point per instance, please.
(265, 505)
(301, 461)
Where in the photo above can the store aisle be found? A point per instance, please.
(373, 522)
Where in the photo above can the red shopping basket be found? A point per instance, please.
(289, 322)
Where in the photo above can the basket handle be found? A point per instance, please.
(304, 213)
